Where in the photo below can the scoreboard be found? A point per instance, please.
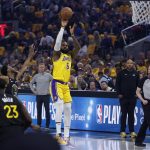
(7, 27)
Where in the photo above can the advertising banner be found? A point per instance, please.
(88, 113)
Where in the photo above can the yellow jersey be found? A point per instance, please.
(62, 67)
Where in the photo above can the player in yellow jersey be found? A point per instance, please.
(59, 89)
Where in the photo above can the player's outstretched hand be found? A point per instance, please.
(64, 23)
(72, 29)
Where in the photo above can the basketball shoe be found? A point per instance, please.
(60, 139)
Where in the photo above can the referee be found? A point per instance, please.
(143, 93)
(40, 87)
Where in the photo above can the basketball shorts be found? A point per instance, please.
(60, 90)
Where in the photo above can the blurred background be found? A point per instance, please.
(99, 27)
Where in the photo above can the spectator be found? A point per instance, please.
(105, 87)
(83, 50)
(93, 79)
(83, 86)
(142, 74)
(9, 71)
(92, 86)
(106, 77)
(97, 39)
(72, 83)
(80, 72)
(106, 45)
(26, 81)
(46, 42)
(88, 73)
(109, 60)
(80, 65)
(79, 81)
(100, 74)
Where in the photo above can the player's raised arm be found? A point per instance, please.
(58, 42)
(75, 41)
(31, 54)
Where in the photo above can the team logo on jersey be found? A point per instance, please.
(99, 114)
(66, 58)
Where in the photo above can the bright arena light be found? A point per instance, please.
(88, 117)
(86, 125)
(91, 102)
(90, 110)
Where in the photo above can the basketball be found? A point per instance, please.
(66, 13)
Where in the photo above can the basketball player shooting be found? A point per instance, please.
(59, 89)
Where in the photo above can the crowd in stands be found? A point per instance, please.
(98, 27)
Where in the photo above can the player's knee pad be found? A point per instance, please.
(59, 109)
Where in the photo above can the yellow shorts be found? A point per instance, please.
(61, 90)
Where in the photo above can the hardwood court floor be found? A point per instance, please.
(83, 140)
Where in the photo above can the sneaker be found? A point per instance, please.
(123, 135)
(133, 140)
(60, 139)
(46, 129)
(133, 135)
(140, 144)
(69, 144)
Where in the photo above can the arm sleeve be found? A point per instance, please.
(59, 40)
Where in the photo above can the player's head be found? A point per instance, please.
(64, 47)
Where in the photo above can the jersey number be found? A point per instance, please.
(11, 111)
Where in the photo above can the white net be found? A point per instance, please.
(141, 12)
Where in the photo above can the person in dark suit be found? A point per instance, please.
(126, 84)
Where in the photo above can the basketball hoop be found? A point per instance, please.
(141, 12)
